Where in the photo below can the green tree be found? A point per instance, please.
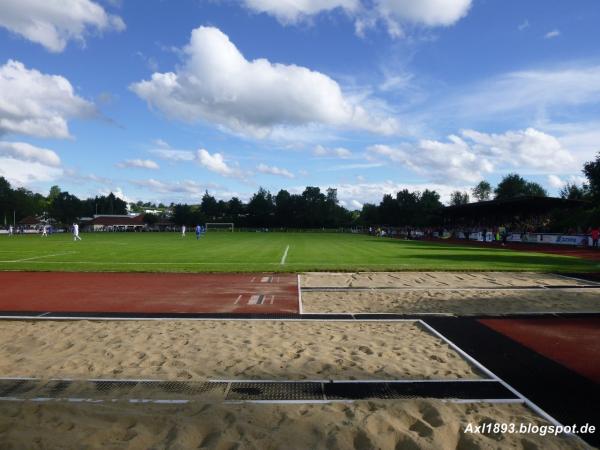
(482, 191)
(459, 198)
(573, 192)
(513, 186)
(209, 206)
(591, 170)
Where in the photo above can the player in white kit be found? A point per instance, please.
(76, 232)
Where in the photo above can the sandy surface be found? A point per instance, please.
(452, 302)
(408, 424)
(200, 350)
(436, 279)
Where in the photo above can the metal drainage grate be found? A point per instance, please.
(252, 391)
(179, 388)
(275, 391)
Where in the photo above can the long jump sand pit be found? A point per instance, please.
(447, 293)
(410, 424)
(443, 280)
(203, 350)
(470, 302)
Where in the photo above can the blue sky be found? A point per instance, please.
(162, 101)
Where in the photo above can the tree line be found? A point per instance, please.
(310, 209)
(63, 207)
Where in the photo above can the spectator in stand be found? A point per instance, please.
(595, 234)
(504, 235)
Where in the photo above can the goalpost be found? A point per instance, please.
(219, 226)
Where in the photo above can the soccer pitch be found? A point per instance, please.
(263, 252)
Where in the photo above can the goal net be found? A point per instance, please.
(219, 226)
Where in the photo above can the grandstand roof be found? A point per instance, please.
(30, 220)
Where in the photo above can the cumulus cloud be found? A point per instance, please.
(292, 11)
(557, 182)
(217, 84)
(272, 170)
(52, 23)
(138, 164)
(23, 163)
(216, 163)
(36, 104)
(338, 152)
(469, 157)
(426, 12)
(528, 148)
(356, 194)
(449, 161)
(393, 13)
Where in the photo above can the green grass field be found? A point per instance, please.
(260, 252)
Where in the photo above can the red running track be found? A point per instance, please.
(573, 342)
(148, 292)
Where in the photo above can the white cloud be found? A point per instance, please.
(338, 152)
(216, 163)
(35, 104)
(356, 204)
(216, 84)
(552, 34)
(22, 163)
(555, 182)
(528, 148)
(426, 12)
(360, 193)
(173, 155)
(530, 91)
(394, 14)
(452, 161)
(30, 153)
(180, 187)
(52, 23)
(292, 11)
(523, 25)
(117, 192)
(473, 155)
(272, 170)
(138, 164)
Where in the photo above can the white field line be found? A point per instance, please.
(40, 257)
(493, 376)
(285, 253)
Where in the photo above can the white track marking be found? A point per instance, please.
(283, 258)
(491, 374)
